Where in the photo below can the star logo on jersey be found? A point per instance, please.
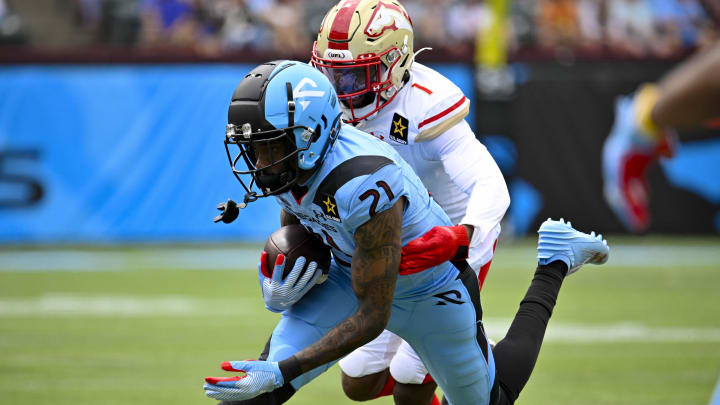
(399, 129)
(329, 208)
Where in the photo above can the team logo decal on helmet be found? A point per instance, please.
(387, 17)
(299, 93)
(283, 119)
(365, 48)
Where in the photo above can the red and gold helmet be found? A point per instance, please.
(365, 48)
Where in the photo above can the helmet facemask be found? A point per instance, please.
(281, 142)
(271, 158)
(373, 37)
(364, 85)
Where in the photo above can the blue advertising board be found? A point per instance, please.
(124, 153)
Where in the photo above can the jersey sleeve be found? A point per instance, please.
(432, 103)
(443, 116)
(471, 167)
(372, 194)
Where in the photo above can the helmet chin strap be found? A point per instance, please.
(269, 183)
(359, 112)
(291, 104)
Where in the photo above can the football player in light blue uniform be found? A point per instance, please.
(365, 202)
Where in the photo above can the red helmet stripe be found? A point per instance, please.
(442, 114)
(341, 25)
(337, 45)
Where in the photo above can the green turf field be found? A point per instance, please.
(144, 326)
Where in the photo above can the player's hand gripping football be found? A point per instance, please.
(280, 294)
(260, 377)
(438, 245)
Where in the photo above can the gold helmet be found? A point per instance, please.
(365, 48)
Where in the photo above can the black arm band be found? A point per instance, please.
(290, 368)
(462, 253)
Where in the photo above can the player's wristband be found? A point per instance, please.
(290, 368)
(462, 253)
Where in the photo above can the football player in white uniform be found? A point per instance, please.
(365, 48)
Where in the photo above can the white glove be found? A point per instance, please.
(280, 294)
(260, 377)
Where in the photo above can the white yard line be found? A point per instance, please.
(67, 305)
(120, 260)
(616, 332)
(246, 258)
(629, 255)
(664, 256)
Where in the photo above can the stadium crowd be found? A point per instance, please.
(640, 28)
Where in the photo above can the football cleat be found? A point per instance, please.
(628, 152)
(559, 241)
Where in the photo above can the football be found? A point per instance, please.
(294, 241)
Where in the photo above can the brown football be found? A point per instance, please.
(294, 241)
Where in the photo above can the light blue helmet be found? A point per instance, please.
(282, 101)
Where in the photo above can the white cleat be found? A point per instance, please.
(559, 241)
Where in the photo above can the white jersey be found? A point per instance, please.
(426, 125)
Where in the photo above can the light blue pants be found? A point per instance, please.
(440, 326)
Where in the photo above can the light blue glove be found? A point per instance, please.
(260, 377)
(280, 294)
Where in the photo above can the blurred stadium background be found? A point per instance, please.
(116, 287)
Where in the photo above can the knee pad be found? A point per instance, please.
(406, 367)
(375, 356)
(351, 366)
(359, 364)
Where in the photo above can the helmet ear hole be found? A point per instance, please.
(316, 135)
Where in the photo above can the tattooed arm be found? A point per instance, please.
(374, 271)
(287, 218)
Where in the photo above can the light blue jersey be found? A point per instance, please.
(356, 176)
(433, 310)
(361, 177)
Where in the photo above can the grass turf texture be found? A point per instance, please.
(140, 336)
